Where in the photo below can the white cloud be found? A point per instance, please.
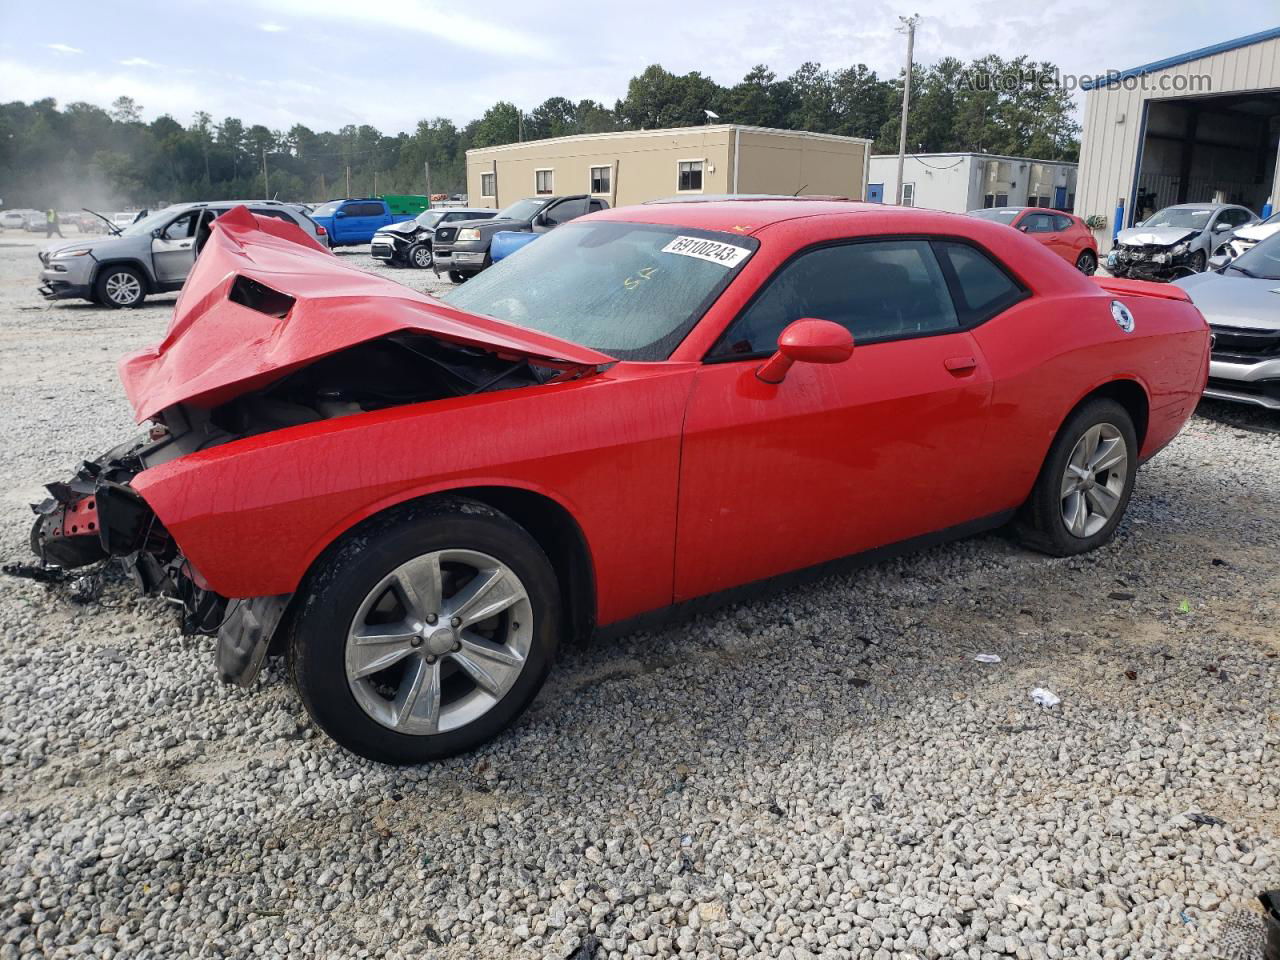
(136, 62)
(271, 28)
(26, 81)
(475, 32)
(63, 48)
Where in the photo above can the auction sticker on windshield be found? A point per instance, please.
(713, 251)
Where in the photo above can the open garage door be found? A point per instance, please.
(1208, 149)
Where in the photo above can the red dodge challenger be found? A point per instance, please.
(417, 500)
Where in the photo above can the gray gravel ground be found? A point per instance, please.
(824, 773)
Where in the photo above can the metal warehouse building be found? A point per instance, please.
(957, 182)
(635, 166)
(1202, 126)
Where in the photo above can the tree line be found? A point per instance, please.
(85, 155)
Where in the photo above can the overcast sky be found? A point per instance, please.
(326, 63)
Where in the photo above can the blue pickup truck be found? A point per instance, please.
(356, 220)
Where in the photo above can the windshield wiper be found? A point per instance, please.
(110, 226)
(1245, 270)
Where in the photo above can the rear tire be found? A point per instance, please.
(446, 687)
(1087, 263)
(457, 276)
(120, 286)
(1085, 484)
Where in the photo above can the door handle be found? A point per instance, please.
(960, 365)
(185, 245)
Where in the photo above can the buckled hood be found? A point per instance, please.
(265, 299)
(1156, 236)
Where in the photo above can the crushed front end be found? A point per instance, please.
(96, 517)
(1158, 262)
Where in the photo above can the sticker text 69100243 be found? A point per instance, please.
(713, 251)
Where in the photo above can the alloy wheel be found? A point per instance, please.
(123, 288)
(421, 257)
(1093, 482)
(439, 641)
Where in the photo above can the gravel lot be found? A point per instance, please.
(824, 773)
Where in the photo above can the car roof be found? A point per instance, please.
(749, 216)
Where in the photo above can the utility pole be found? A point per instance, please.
(909, 28)
(266, 186)
(348, 193)
(426, 171)
(375, 183)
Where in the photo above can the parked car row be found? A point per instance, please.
(409, 243)
(463, 249)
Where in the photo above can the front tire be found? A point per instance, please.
(1085, 484)
(1198, 261)
(457, 276)
(120, 287)
(419, 257)
(427, 634)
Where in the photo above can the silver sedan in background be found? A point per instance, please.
(1241, 302)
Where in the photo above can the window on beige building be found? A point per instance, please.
(689, 176)
(543, 181)
(488, 188)
(600, 179)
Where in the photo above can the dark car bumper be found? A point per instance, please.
(64, 290)
(470, 257)
(385, 250)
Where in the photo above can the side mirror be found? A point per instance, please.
(807, 341)
(339, 214)
(1219, 227)
(157, 234)
(1024, 228)
(1218, 261)
(1138, 223)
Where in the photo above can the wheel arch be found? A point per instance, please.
(141, 267)
(550, 523)
(1127, 391)
(1131, 395)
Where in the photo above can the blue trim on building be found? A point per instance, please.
(1108, 79)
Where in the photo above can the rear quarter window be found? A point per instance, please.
(981, 287)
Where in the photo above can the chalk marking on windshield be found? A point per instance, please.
(644, 273)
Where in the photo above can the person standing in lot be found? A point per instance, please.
(51, 223)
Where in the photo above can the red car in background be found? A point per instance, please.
(1063, 233)
(418, 500)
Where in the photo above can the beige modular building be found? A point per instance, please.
(635, 166)
(1197, 127)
